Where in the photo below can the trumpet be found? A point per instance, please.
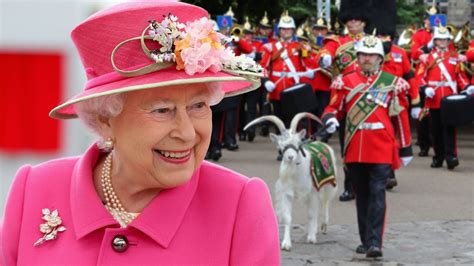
(236, 30)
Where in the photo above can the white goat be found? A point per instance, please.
(296, 179)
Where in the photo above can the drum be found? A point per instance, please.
(457, 110)
(297, 99)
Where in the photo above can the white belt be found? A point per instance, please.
(288, 74)
(371, 126)
(441, 83)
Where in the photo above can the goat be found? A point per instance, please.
(296, 177)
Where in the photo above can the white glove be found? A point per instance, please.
(309, 74)
(415, 112)
(235, 38)
(269, 85)
(424, 58)
(406, 160)
(470, 90)
(326, 61)
(429, 92)
(332, 124)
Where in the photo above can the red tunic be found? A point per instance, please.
(371, 145)
(320, 82)
(280, 67)
(431, 76)
(398, 64)
(470, 57)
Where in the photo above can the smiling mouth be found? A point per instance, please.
(174, 154)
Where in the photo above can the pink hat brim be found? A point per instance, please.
(229, 83)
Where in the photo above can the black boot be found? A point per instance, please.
(452, 162)
(361, 249)
(251, 136)
(423, 152)
(347, 195)
(436, 163)
(374, 252)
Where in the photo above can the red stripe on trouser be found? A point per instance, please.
(222, 128)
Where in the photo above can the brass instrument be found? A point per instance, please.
(236, 30)
(462, 38)
(405, 39)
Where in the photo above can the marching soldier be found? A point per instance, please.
(248, 104)
(442, 75)
(322, 81)
(283, 61)
(370, 98)
(341, 51)
(263, 36)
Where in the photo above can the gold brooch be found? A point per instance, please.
(51, 227)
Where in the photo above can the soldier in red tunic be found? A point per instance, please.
(370, 98)
(284, 64)
(339, 53)
(442, 75)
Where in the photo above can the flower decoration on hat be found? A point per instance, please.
(195, 48)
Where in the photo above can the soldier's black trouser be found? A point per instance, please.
(369, 182)
(444, 137)
(248, 109)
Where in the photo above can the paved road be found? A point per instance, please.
(430, 216)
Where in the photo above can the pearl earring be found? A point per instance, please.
(108, 144)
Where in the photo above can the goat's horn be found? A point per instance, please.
(277, 121)
(296, 119)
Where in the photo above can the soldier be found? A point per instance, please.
(341, 50)
(441, 75)
(263, 36)
(370, 99)
(283, 61)
(322, 81)
(248, 104)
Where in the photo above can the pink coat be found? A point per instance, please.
(218, 218)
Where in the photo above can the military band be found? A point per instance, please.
(370, 101)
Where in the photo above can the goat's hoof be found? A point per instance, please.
(324, 228)
(286, 246)
(311, 239)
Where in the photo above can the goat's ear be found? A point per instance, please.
(302, 133)
(274, 137)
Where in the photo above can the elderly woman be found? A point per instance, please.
(143, 194)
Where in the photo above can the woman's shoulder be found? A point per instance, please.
(53, 170)
(219, 177)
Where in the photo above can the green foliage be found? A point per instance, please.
(408, 13)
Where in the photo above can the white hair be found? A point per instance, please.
(92, 112)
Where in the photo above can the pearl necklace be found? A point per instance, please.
(112, 202)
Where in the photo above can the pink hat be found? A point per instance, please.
(143, 45)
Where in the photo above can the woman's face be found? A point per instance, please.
(162, 135)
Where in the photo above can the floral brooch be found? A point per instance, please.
(51, 227)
